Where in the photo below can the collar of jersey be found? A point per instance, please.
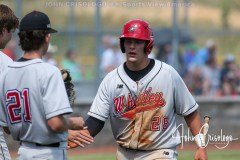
(155, 70)
(26, 63)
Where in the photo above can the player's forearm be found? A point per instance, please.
(75, 123)
(57, 124)
(194, 122)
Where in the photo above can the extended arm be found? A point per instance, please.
(81, 137)
(193, 121)
(60, 123)
(78, 137)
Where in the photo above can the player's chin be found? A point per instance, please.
(132, 59)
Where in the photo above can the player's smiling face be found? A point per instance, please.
(135, 50)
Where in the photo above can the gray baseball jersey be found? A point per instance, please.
(4, 153)
(32, 92)
(4, 62)
(143, 113)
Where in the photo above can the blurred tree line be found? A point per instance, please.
(226, 6)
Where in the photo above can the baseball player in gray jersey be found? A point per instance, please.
(142, 98)
(8, 24)
(33, 96)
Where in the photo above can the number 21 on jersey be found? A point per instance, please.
(15, 109)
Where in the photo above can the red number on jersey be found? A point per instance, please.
(155, 123)
(13, 106)
(165, 123)
(27, 112)
(13, 103)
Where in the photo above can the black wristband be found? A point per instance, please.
(94, 125)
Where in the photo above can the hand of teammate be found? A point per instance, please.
(201, 154)
(79, 138)
(75, 123)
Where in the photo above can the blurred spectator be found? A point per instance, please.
(112, 57)
(211, 74)
(202, 75)
(237, 76)
(70, 63)
(229, 66)
(203, 69)
(227, 89)
(188, 56)
(203, 54)
(48, 57)
(230, 77)
(194, 81)
(10, 49)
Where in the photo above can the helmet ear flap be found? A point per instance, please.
(122, 45)
(149, 46)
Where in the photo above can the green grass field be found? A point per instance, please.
(183, 155)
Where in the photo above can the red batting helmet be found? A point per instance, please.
(137, 29)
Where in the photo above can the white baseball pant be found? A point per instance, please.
(161, 154)
(4, 153)
(29, 151)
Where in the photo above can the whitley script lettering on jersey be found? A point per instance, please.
(128, 107)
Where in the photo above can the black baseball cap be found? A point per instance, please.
(36, 20)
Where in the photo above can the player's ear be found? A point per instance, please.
(47, 38)
(4, 30)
